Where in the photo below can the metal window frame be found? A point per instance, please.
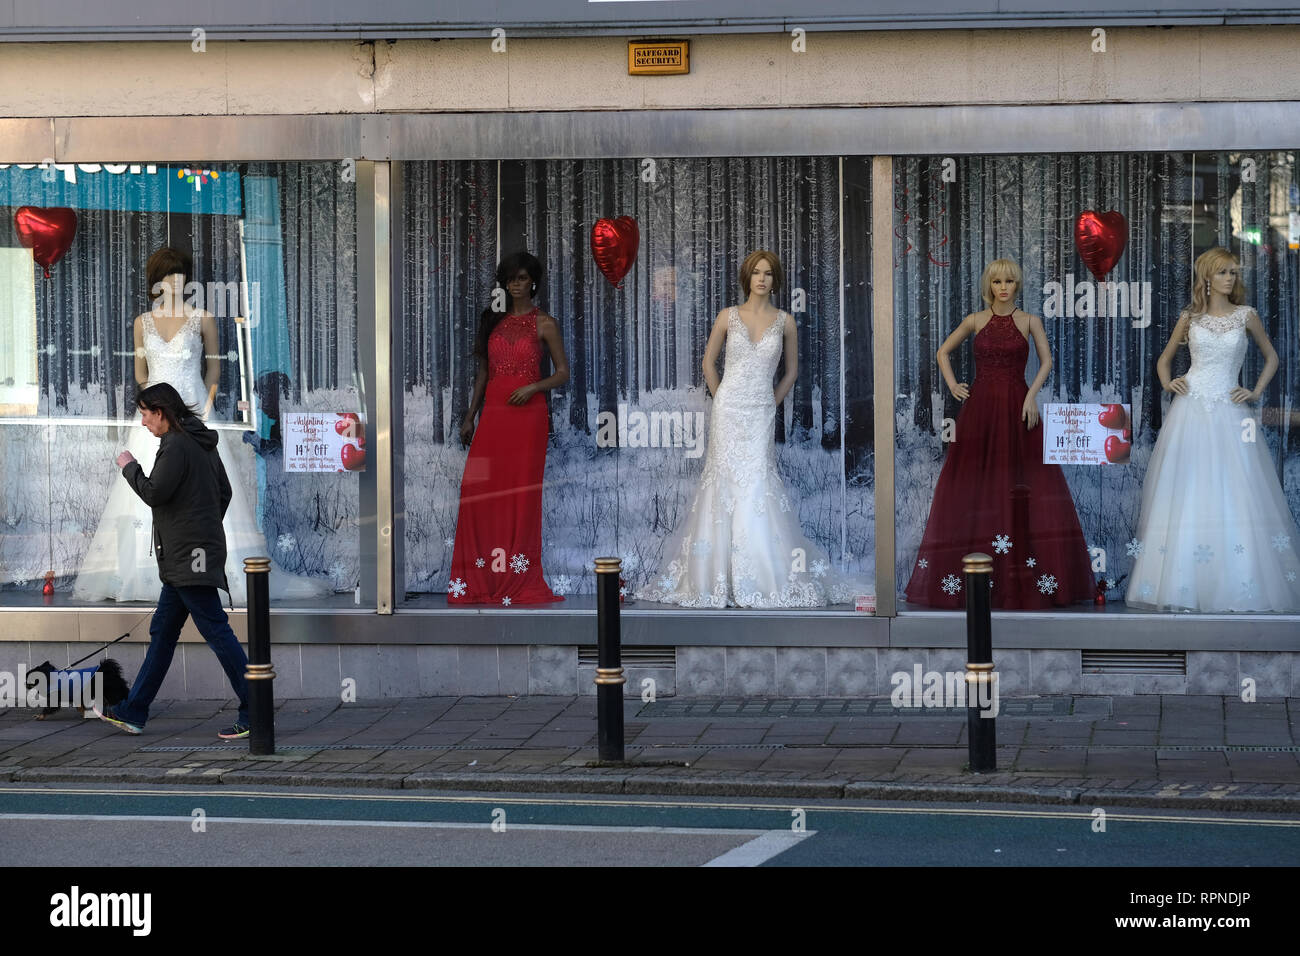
(380, 142)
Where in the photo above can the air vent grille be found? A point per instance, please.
(1135, 662)
(634, 657)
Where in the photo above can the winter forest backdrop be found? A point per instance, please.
(639, 346)
(1177, 205)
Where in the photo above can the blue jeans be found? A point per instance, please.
(203, 603)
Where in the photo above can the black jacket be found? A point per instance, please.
(189, 493)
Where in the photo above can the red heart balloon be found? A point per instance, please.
(347, 425)
(614, 243)
(1100, 239)
(1117, 450)
(1112, 416)
(47, 232)
(354, 458)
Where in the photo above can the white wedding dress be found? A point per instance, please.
(1215, 533)
(120, 565)
(741, 544)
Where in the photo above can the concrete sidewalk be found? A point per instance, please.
(1170, 751)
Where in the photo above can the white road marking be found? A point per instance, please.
(761, 849)
(418, 824)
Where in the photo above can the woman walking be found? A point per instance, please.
(188, 492)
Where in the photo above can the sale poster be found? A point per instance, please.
(1086, 434)
(323, 441)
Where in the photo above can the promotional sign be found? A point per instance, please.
(1086, 434)
(323, 441)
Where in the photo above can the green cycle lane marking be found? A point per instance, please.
(551, 809)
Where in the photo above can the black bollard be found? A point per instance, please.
(261, 699)
(981, 682)
(609, 665)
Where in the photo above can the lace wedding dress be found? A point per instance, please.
(120, 565)
(1215, 533)
(741, 544)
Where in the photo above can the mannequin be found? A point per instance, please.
(1215, 532)
(994, 494)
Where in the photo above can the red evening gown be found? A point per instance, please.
(497, 558)
(995, 495)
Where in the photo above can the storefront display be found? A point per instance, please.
(236, 285)
(627, 436)
(1185, 506)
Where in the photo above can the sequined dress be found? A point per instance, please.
(497, 557)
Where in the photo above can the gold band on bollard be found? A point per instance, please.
(977, 563)
(609, 565)
(979, 673)
(260, 672)
(257, 565)
(610, 675)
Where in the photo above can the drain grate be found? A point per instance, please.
(1172, 663)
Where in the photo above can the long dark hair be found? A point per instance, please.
(164, 398)
(506, 271)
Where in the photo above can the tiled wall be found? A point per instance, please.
(409, 670)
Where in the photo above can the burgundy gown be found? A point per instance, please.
(497, 558)
(995, 495)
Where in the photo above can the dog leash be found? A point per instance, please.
(106, 646)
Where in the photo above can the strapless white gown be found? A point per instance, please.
(1215, 533)
(741, 543)
(120, 565)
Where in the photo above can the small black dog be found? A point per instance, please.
(78, 685)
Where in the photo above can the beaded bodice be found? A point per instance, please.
(177, 360)
(1218, 346)
(514, 350)
(1000, 350)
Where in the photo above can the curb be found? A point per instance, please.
(1159, 795)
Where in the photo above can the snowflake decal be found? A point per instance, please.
(23, 575)
(951, 584)
(505, 601)
(1002, 544)
(1290, 576)
(1110, 584)
(923, 563)
(1203, 554)
(701, 546)
(479, 562)
(631, 562)
(1047, 584)
(138, 524)
(1146, 589)
(449, 542)
(518, 564)
(1281, 542)
(622, 591)
(285, 542)
(1240, 549)
(1134, 548)
(339, 573)
(819, 568)
(666, 583)
(456, 587)
(1031, 562)
(562, 584)
(1248, 589)
(785, 503)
